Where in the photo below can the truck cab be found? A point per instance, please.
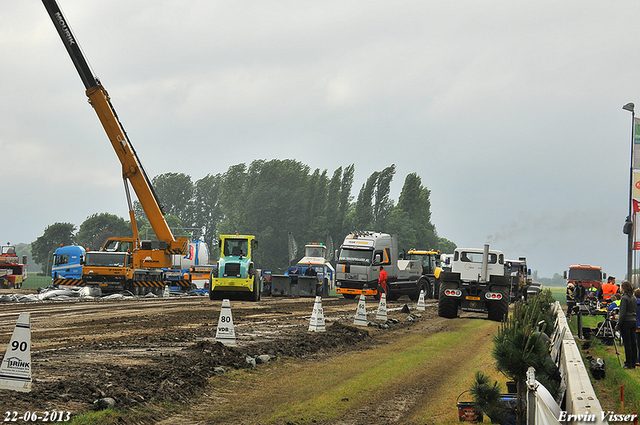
(110, 271)
(359, 261)
(477, 283)
(361, 256)
(519, 280)
(13, 269)
(67, 263)
(587, 274)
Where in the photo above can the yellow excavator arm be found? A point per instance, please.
(132, 170)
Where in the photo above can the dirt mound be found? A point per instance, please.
(179, 375)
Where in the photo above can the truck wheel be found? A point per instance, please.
(447, 306)
(391, 295)
(256, 289)
(349, 296)
(422, 285)
(499, 310)
(435, 289)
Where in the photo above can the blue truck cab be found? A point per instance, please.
(67, 262)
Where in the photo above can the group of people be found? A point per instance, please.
(625, 300)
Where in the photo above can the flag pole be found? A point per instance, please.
(629, 222)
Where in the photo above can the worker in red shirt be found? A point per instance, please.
(382, 279)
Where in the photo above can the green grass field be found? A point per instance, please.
(34, 281)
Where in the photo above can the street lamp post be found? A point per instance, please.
(629, 222)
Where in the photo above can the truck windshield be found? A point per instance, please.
(9, 251)
(117, 246)
(236, 247)
(585, 274)
(105, 259)
(476, 257)
(314, 251)
(355, 256)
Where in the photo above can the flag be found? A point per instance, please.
(191, 252)
(636, 228)
(293, 248)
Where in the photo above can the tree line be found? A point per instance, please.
(271, 200)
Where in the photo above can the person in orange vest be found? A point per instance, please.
(609, 288)
(382, 279)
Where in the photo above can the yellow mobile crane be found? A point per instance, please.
(142, 266)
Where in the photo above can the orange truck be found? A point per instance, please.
(13, 270)
(585, 273)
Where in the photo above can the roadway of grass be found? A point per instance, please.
(415, 376)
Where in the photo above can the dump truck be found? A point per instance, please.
(13, 269)
(477, 283)
(360, 257)
(235, 275)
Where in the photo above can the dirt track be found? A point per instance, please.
(164, 349)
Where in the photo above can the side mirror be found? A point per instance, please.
(528, 272)
(564, 274)
(604, 275)
(24, 259)
(255, 244)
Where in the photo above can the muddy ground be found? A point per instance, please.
(142, 350)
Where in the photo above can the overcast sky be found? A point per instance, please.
(510, 112)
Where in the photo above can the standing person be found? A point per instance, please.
(637, 294)
(627, 324)
(312, 272)
(609, 288)
(382, 280)
(580, 292)
(571, 299)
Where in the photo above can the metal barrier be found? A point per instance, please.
(582, 405)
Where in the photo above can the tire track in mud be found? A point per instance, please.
(84, 350)
(415, 395)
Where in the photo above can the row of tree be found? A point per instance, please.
(269, 199)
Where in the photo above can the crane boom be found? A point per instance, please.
(132, 169)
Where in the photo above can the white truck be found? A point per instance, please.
(359, 260)
(477, 282)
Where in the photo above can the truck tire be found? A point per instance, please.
(435, 290)
(391, 295)
(256, 289)
(349, 296)
(423, 285)
(213, 295)
(499, 310)
(447, 306)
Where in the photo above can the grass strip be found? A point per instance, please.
(330, 390)
(442, 409)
